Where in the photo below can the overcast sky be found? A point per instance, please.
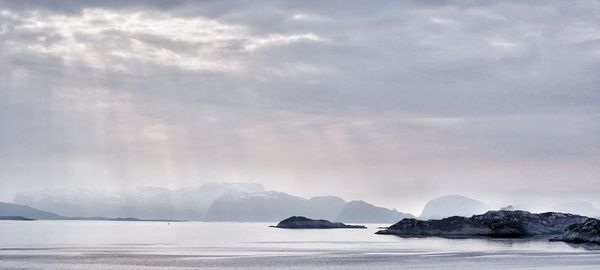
(393, 102)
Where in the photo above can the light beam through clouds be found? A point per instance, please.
(392, 103)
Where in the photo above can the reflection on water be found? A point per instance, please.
(160, 245)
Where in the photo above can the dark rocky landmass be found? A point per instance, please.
(586, 232)
(15, 218)
(363, 212)
(307, 223)
(492, 224)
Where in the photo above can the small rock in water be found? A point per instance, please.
(298, 222)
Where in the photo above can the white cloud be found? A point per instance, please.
(103, 38)
(305, 17)
(442, 20)
(278, 40)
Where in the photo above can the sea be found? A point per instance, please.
(237, 245)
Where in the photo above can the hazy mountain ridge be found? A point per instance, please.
(261, 206)
(360, 211)
(141, 202)
(247, 202)
(453, 205)
(208, 202)
(457, 205)
(273, 206)
(16, 210)
(581, 208)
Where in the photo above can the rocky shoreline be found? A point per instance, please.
(586, 232)
(503, 223)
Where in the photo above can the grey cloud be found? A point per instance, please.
(425, 98)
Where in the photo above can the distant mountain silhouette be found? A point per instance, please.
(17, 210)
(580, 208)
(239, 202)
(363, 212)
(259, 206)
(453, 205)
(141, 202)
(210, 202)
(272, 206)
(326, 207)
(15, 218)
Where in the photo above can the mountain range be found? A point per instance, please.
(209, 202)
(240, 202)
(457, 205)
(141, 202)
(17, 210)
(453, 205)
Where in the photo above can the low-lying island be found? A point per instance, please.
(297, 222)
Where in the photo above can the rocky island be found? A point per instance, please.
(503, 223)
(586, 232)
(297, 222)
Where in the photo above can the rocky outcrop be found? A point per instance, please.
(307, 223)
(493, 224)
(586, 232)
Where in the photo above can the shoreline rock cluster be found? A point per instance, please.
(586, 232)
(502, 223)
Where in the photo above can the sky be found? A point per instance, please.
(393, 102)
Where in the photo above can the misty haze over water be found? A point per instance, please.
(252, 202)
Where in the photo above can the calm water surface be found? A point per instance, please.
(189, 245)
